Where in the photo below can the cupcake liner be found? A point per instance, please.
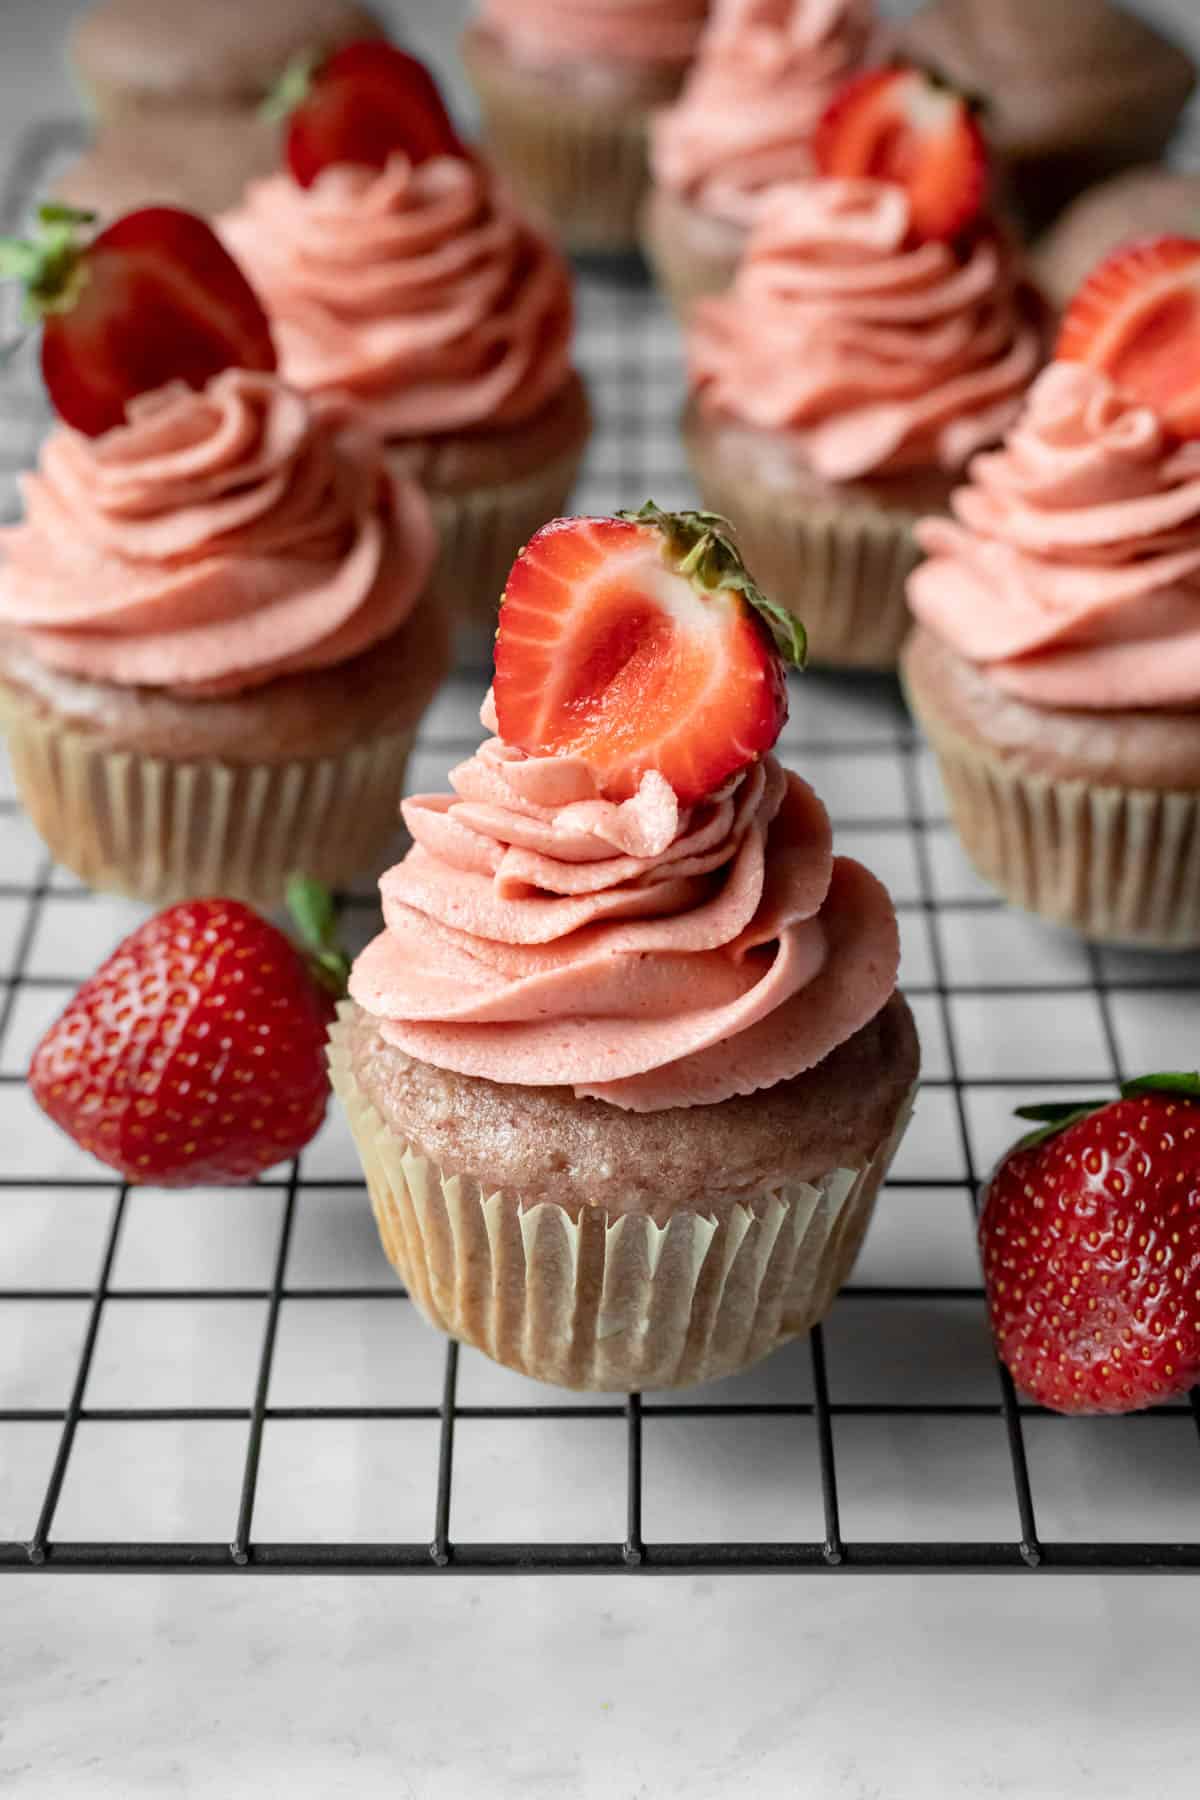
(840, 565)
(580, 163)
(161, 830)
(480, 531)
(615, 1304)
(685, 270)
(1119, 865)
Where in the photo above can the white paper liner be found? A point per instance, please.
(615, 1304)
(840, 566)
(1119, 865)
(161, 830)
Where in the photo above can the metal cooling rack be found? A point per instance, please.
(229, 1381)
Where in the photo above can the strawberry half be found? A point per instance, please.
(1137, 317)
(1091, 1250)
(907, 126)
(640, 642)
(196, 1052)
(362, 106)
(153, 298)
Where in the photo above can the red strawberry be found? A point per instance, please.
(196, 1053)
(1137, 316)
(153, 298)
(905, 125)
(364, 104)
(1091, 1250)
(639, 642)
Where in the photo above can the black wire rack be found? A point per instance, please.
(888, 1441)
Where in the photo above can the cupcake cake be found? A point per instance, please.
(200, 161)
(214, 640)
(567, 92)
(878, 332)
(1056, 663)
(1074, 93)
(1146, 202)
(405, 287)
(763, 76)
(627, 1063)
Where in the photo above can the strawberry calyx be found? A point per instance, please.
(292, 88)
(1055, 1116)
(699, 546)
(315, 917)
(49, 264)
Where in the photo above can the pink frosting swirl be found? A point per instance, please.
(638, 952)
(558, 31)
(215, 541)
(764, 75)
(418, 296)
(872, 353)
(1074, 574)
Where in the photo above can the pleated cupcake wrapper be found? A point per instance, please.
(480, 532)
(582, 165)
(161, 830)
(614, 1304)
(1119, 865)
(841, 567)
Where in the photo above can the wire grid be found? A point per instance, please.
(183, 1378)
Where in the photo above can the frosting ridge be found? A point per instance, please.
(419, 297)
(764, 73)
(1071, 569)
(213, 542)
(872, 353)
(641, 953)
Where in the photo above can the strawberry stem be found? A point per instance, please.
(292, 88)
(312, 909)
(699, 546)
(49, 265)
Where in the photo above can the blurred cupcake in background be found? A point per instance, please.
(215, 639)
(879, 331)
(405, 287)
(567, 89)
(1075, 92)
(177, 95)
(763, 76)
(1056, 662)
(1148, 202)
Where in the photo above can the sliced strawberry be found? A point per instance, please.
(904, 125)
(365, 104)
(154, 298)
(1137, 317)
(639, 642)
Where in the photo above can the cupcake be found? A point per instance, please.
(1146, 202)
(567, 92)
(764, 74)
(1056, 663)
(839, 388)
(1074, 93)
(197, 160)
(405, 287)
(138, 57)
(214, 638)
(627, 1063)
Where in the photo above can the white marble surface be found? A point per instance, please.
(611, 1688)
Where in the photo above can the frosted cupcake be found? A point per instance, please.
(567, 92)
(838, 391)
(627, 1063)
(763, 76)
(213, 646)
(407, 289)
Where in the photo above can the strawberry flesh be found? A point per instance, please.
(1091, 1258)
(608, 652)
(368, 103)
(905, 126)
(1137, 317)
(194, 1054)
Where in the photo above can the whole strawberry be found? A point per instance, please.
(363, 105)
(196, 1053)
(1091, 1250)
